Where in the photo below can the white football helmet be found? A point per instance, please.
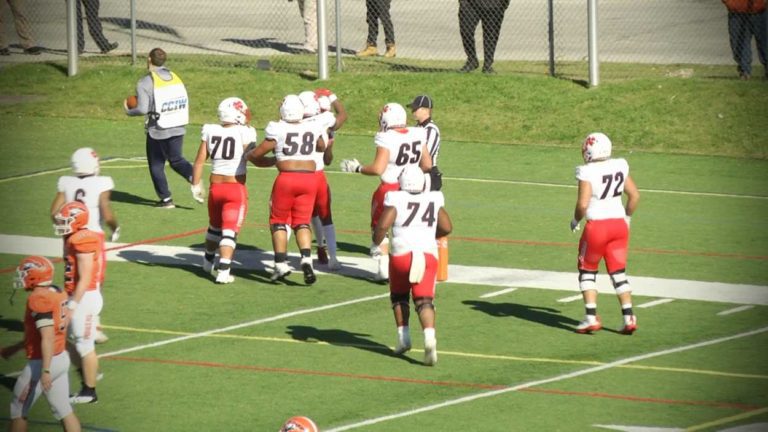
(292, 110)
(85, 161)
(597, 146)
(412, 179)
(234, 110)
(325, 103)
(392, 115)
(309, 100)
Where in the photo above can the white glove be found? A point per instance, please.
(627, 219)
(115, 235)
(376, 251)
(575, 225)
(350, 165)
(197, 192)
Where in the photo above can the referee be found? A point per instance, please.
(421, 107)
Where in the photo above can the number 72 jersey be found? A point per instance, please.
(416, 220)
(607, 180)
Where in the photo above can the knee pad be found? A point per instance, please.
(424, 302)
(228, 238)
(300, 227)
(278, 227)
(587, 280)
(213, 234)
(620, 282)
(399, 299)
(84, 346)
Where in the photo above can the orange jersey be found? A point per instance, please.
(45, 308)
(82, 242)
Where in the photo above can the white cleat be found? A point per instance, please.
(207, 266)
(100, 337)
(281, 270)
(430, 352)
(333, 264)
(309, 272)
(402, 347)
(224, 277)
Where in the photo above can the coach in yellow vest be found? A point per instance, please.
(163, 99)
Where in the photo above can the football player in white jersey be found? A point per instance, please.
(226, 144)
(397, 146)
(417, 217)
(322, 218)
(294, 144)
(93, 190)
(602, 182)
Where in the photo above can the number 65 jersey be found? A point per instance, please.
(607, 180)
(416, 221)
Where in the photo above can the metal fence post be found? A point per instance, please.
(594, 65)
(133, 32)
(322, 42)
(72, 51)
(551, 29)
(338, 36)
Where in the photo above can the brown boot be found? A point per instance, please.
(369, 51)
(391, 51)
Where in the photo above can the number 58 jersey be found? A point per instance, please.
(416, 220)
(226, 146)
(607, 180)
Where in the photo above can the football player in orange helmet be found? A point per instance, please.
(299, 424)
(82, 281)
(47, 368)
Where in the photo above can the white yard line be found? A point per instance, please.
(570, 299)
(556, 378)
(655, 303)
(457, 274)
(498, 293)
(735, 310)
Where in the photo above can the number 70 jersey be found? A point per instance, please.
(607, 180)
(416, 220)
(226, 146)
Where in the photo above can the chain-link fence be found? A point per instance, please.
(428, 34)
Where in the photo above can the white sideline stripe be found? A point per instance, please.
(498, 293)
(655, 303)
(476, 180)
(735, 310)
(365, 267)
(245, 324)
(570, 299)
(556, 378)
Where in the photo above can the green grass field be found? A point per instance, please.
(186, 354)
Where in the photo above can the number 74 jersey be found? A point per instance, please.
(607, 180)
(416, 220)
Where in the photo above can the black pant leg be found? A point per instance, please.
(468, 20)
(386, 21)
(94, 23)
(156, 163)
(176, 159)
(372, 18)
(492, 20)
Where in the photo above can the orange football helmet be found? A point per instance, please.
(33, 271)
(71, 218)
(299, 424)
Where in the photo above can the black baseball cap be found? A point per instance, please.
(421, 101)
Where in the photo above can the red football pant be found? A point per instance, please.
(400, 267)
(322, 207)
(293, 197)
(604, 239)
(227, 205)
(377, 201)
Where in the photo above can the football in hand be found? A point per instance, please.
(131, 102)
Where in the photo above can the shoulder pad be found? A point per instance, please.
(85, 241)
(40, 303)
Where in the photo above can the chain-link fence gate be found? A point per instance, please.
(426, 33)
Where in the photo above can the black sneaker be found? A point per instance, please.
(469, 66)
(35, 50)
(309, 272)
(83, 398)
(111, 47)
(489, 70)
(166, 204)
(5, 52)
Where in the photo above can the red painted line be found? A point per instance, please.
(726, 405)
(303, 372)
(713, 404)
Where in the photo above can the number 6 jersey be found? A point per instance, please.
(607, 181)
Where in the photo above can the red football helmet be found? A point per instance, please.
(71, 218)
(33, 271)
(299, 424)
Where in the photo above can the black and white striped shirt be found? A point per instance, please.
(433, 138)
